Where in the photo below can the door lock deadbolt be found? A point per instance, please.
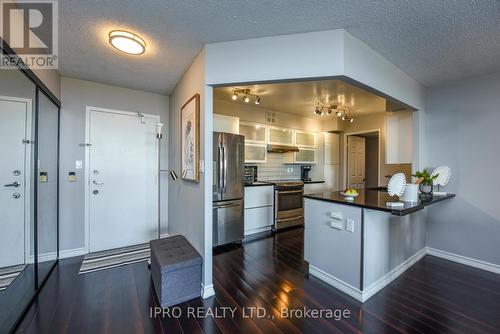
(95, 192)
(95, 172)
(17, 172)
(16, 195)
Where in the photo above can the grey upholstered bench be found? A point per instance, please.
(175, 270)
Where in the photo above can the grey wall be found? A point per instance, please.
(187, 198)
(462, 131)
(76, 95)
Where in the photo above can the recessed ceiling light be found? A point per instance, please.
(127, 42)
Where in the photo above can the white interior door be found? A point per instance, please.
(356, 162)
(15, 125)
(123, 176)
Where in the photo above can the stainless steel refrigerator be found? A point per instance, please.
(228, 188)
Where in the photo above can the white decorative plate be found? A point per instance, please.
(444, 175)
(397, 185)
(349, 197)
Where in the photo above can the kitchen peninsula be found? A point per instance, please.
(362, 245)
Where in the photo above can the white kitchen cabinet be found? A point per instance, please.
(259, 196)
(255, 153)
(305, 156)
(331, 150)
(280, 136)
(399, 138)
(305, 139)
(331, 175)
(259, 209)
(258, 220)
(229, 124)
(253, 132)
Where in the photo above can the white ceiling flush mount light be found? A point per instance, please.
(127, 42)
(247, 95)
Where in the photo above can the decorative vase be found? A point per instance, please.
(426, 189)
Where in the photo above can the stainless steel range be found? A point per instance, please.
(288, 204)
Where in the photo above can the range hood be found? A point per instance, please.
(281, 148)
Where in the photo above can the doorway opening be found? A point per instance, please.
(362, 151)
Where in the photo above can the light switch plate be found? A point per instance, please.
(202, 166)
(350, 225)
(78, 164)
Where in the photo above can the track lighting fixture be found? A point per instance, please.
(247, 95)
(339, 111)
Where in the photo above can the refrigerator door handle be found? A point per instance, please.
(224, 185)
(220, 171)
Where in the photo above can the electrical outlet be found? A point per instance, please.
(350, 225)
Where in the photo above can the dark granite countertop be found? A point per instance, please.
(376, 200)
(259, 184)
(313, 181)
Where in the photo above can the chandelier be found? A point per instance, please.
(246, 95)
(340, 111)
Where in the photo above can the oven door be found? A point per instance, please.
(289, 209)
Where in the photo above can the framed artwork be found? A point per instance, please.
(190, 139)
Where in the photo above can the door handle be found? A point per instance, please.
(227, 206)
(13, 184)
(225, 168)
(281, 192)
(98, 183)
(221, 170)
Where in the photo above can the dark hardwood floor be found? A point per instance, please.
(434, 296)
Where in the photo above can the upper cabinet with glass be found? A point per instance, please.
(280, 136)
(305, 139)
(254, 133)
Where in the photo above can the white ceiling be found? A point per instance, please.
(300, 98)
(432, 40)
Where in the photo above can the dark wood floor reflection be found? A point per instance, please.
(435, 296)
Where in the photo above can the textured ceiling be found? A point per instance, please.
(434, 41)
(300, 98)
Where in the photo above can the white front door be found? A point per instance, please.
(356, 162)
(15, 125)
(122, 175)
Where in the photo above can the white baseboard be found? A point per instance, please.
(491, 267)
(207, 291)
(164, 235)
(257, 230)
(392, 275)
(336, 283)
(67, 253)
(64, 254)
(369, 292)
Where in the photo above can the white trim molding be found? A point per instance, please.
(392, 275)
(164, 235)
(67, 253)
(336, 283)
(369, 292)
(207, 291)
(491, 267)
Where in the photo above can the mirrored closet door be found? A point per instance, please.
(29, 158)
(47, 184)
(17, 205)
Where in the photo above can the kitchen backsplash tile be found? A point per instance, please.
(275, 169)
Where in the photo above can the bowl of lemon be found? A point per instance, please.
(349, 194)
